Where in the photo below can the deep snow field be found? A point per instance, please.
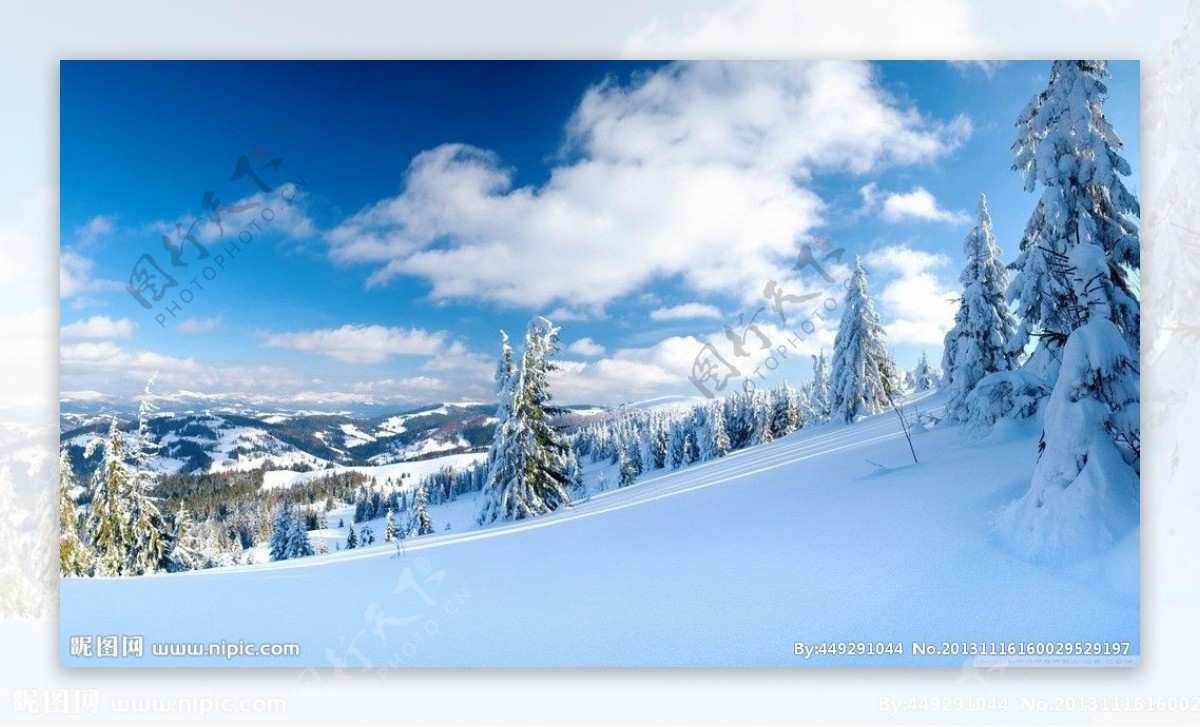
(828, 534)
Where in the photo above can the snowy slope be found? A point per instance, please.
(729, 562)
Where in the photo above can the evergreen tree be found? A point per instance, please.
(351, 539)
(298, 544)
(575, 485)
(658, 444)
(109, 524)
(366, 536)
(821, 399)
(719, 437)
(863, 372)
(389, 530)
(1067, 146)
(924, 378)
(280, 532)
(627, 473)
(676, 446)
(785, 415)
(1084, 493)
(74, 557)
(424, 523)
(526, 460)
(977, 345)
(186, 550)
(149, 529)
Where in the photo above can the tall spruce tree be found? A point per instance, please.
(422, 522)
(109, 524)
(151, 538)
(821, 399)
(527, 468)
(863, 372)
(74, 556)
(1066, 146)
(977, 345)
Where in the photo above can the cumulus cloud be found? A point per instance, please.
(918, 308)
(695, 170)
(685, 311)
(586, 347)
(99, 328)
(360, 344)
(919, 204)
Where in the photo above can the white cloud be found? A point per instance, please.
(75, 275)
(99, 328)
(920, 204)
(695, 170)
(107, 367)
(196, 326)
(94, 230)
(629, 374)
(360, 344)
(586, 347)
(918, 308)
(685, 311)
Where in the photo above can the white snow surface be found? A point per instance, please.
(830, 533)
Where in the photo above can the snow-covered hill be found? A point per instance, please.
(828, 534)
(222, 440)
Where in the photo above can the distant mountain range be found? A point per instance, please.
(242, 438)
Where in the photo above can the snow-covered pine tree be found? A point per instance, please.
(977, 345)
(785, 417)
(351, 539)
(1067, 146)
(718, 437)
(186, 551)
(676, 445)
(863, 372)
(658, 443)
(526, 461)
(298, 544)
(575, 485)
(633, 450)
(151, 539)
(923, 377)
(108, 517)
(423, 523)
(1085, 489)
(389, 529)
(74, 556)
(366, 536)
(628, 475)
(281, 529)
(820, 399)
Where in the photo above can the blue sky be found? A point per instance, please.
(642, 206)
